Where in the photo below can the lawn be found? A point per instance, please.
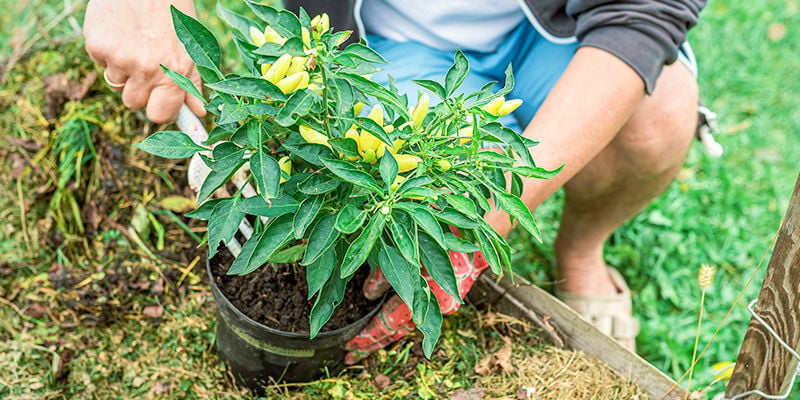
(92, 305)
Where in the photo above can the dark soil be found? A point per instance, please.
(275, 295)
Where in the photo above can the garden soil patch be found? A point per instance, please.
(275, 295)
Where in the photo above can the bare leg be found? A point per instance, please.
(634, 168)
(619, 148)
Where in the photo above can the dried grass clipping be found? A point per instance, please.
(553, 373)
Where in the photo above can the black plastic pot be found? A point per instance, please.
(259, 355)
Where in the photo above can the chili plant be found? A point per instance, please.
(348, 175)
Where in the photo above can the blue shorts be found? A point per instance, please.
(537, 64)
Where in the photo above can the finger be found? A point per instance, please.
(196, 105)
(115, 78)
(136, 93)
(164, 103)
(376, 285)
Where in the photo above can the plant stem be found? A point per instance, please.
(696, 343)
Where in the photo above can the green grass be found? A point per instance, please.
(724, 212)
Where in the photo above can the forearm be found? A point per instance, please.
(585, 110)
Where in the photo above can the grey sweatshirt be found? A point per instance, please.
(645, 34)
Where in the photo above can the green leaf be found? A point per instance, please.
(517, 209)
(489, 252)
(418, 181)
(349, 173)
(289, 255)
(496, 158)
(510, 138)
(451, 216)
(399, 273)
(425, 219)
(509, 81)
(266, 173)
(170, 144)
(293, 46)
(216, 178)
(536, 172)
(318, 184)
(388, 168)
(277, 234)
(436, 261)
(323, 236)
(350, 219)
(271, 208)
(422, 298)
(432, 327)
(298, 105)
(329, 297)
(346, 146)
(421, 192)
(433, 86)
(223, 223)
(381, 93)
(310, 152)
(248, 87)
(284, 22)
(308, 211)
(456, 74)
(401, 236)
(375, 129)
(362, 52)
(516, 185)
(361, 247)
(200, 43)
(203, 212)
(236, 21)
(458, 244)
(319, 271)
(184, 83)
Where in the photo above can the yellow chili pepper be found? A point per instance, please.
(285, 165)
(444, 165)
(312, 136)
(465, 134)
(398, 180)
(376, 114)
(357, 108)
(265, 68)
(406, 162)
(420, 111)
(508, 107)
(494, 105)
(272, 36)
(306, 37)
(293, 82)
(352, 133)
(298, 64)
(278, 70)
(370, 147)
(257, 36)
(396, 144)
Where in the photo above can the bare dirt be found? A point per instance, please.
(275, 295)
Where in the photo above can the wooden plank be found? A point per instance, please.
(563, 327)
(762, 363)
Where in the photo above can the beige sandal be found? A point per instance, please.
(611, 314)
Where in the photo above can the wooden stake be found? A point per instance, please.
(763, 364)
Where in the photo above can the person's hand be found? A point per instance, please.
(393, 321)
(130, 38)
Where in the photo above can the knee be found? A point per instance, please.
(659, 133)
